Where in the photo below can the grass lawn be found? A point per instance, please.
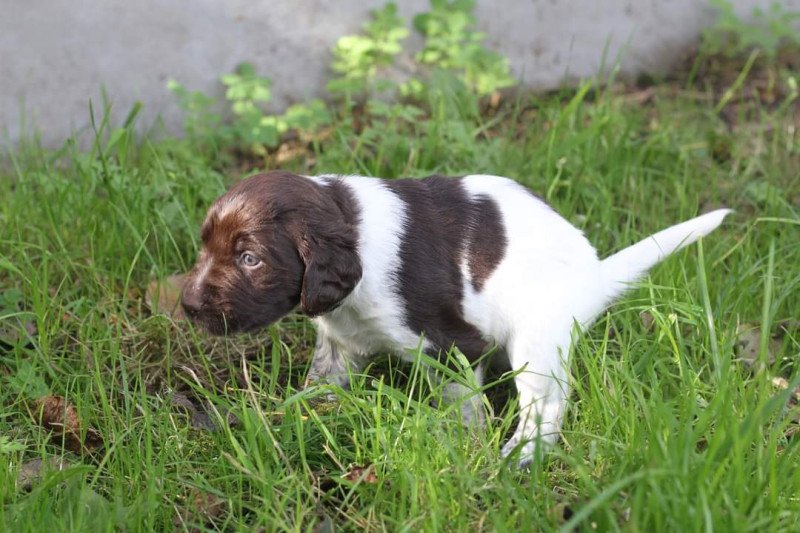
(666, 430)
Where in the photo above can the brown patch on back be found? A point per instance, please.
(487, 244)
(439, 218)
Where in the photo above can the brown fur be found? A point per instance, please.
(487, 242)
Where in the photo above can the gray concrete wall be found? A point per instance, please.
(55, 55)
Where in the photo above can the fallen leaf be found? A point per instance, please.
(641, 97)
(32, 471)
(208, 505)
(361, 474)
(201, 507)
(164, 296)
(494, 99)
(198, 418)
(647, 320)
(55, 414)
(289, 151)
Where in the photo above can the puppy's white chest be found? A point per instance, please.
(363, 333)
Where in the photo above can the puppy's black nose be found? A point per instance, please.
(192, 300)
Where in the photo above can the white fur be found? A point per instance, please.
(230, 204)
(202, 273)
(370, 320)
(548, 279)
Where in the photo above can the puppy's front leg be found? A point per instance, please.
(329, 364)
(471, 401)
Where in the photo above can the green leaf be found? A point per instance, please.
(26, 380)
(8, 446)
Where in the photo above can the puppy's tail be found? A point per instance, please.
(630, 264)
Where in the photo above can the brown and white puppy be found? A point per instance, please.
(402, 265)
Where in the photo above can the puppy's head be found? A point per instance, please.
(272, 242)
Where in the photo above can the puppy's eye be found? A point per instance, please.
(249, 260)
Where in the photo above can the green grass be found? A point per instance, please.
(665, 429)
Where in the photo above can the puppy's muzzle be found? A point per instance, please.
(192, 300)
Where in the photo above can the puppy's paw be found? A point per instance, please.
(311, 380)
(473, 415)
(315, 380)
(525, 453)
(470, 405)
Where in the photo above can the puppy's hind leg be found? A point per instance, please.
(542, 387)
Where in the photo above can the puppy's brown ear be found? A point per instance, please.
(333, 267)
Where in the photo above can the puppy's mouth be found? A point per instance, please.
(214, 323)
(221, 324)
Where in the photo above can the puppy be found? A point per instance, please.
(391, 266)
